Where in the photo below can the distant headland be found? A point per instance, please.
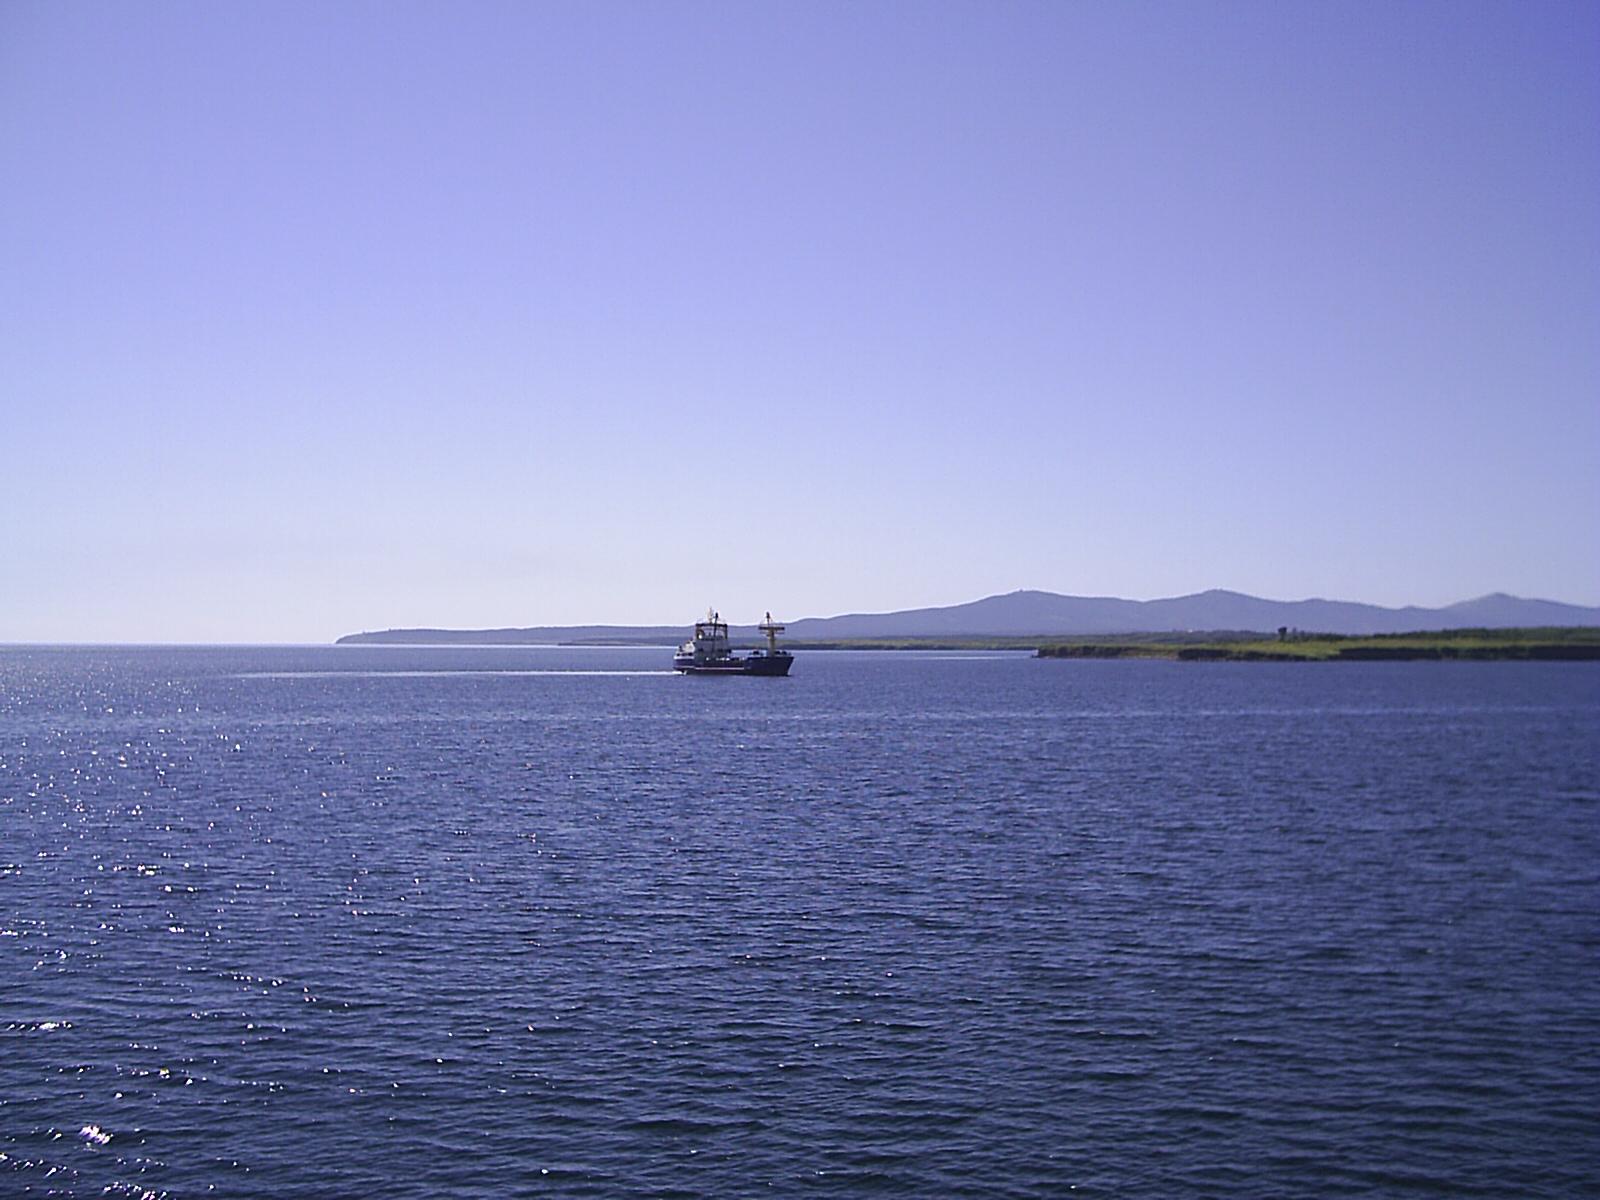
(1031, 619)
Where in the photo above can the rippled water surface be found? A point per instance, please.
(512, 922)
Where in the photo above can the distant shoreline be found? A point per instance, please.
(1560, 644)
(1029, 619)
(1550, 644)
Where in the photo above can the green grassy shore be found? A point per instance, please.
(1543, 644)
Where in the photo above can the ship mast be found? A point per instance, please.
(772, 631)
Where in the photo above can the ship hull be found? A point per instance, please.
(755, 664)
(768, 664)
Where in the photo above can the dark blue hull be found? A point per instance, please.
(760, 663)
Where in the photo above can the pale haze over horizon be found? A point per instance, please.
(321, 318)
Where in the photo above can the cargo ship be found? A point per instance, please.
(709, 651)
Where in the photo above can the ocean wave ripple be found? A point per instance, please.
(273, 927)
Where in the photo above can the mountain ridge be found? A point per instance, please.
(1033, 613)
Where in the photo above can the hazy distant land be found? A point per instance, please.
(539, 635)
(1029, 619)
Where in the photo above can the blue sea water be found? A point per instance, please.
(371, 921)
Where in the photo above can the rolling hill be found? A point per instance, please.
(1025, 614)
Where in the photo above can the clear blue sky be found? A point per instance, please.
(326, 317)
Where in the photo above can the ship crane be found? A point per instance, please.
(772, 629)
